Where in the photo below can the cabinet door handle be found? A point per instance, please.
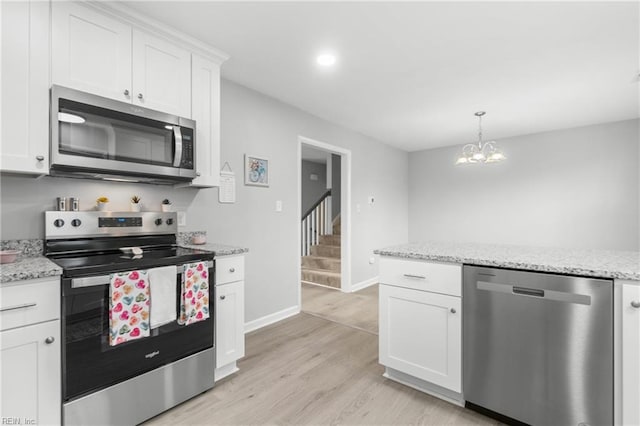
(453, 310)
(126, 92)
(40, 157)
(49, 340)
(140, 96)
(23, 306)
(223, 297)
(419, 277)
(635, 303)
(232, 270)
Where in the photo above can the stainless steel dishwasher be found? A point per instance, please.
(538, 348)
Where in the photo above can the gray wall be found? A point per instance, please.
(259, 125)
(312, 190)
(336, 185)
(569, 188)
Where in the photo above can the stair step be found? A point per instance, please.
(325, 251)
(331, 279)
(330, 240)
(324, 263)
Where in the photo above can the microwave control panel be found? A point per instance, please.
(187, 149)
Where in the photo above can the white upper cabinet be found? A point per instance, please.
(161, 75)
(99, 54)
(91, 51)
(205, 110)
(24, 121)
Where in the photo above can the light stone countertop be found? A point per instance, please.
(32, 265)
(217, 249)
(592, 263)
(29, 268)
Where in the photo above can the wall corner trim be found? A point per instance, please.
(364, 284)
(271, 318)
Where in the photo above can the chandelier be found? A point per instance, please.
(480, 152)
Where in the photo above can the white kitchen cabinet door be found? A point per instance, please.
(205, 108)
(31, 374)
(24, 132)
(630, 354)
(90, 51)
(161, 75)
(421, 335)
(229, 307)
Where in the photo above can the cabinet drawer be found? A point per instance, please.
(420, 275)
(229, 269)
(29, 302)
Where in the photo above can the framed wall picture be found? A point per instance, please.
(256, 170)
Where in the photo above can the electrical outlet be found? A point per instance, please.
(358, 208)
(372, 260)
(182, 218)
(278, 206)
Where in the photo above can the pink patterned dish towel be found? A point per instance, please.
(194, 301)
(128, 307)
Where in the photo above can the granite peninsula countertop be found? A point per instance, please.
(592, 263)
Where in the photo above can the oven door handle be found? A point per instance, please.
(106, 279)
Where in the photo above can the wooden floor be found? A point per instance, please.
(306, 370)
(359, 309)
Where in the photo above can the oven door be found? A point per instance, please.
(89, 363)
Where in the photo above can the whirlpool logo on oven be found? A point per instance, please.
(152, 354)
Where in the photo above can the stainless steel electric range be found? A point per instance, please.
(130, 382)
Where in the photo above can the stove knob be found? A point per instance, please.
(76, 222)
(158, 221)
(58, 223)
(169, 221)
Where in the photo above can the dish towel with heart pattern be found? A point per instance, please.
(128, 307)
(194, 300)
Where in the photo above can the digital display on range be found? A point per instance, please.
(116, 222)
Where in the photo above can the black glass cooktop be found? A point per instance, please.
(105, 260)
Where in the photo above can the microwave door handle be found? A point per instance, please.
(177, 137)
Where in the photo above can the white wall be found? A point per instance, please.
(569, 188)
(259, 125)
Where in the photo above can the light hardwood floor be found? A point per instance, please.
(306, 370)
(359, 309)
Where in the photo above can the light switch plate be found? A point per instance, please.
(278, 206)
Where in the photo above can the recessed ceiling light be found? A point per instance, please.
(326, 59)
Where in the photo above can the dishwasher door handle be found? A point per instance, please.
(528, 291)
(546, 294)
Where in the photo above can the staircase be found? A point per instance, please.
(322, 266)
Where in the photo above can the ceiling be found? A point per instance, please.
(412, 74)
(309, 153)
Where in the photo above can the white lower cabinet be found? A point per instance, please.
(31, 374)
(229, 311)
(421, 325)
(30, 352)
(630, 368)
(421, 335)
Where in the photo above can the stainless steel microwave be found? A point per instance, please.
(100, 138)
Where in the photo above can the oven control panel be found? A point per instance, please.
(70, 224)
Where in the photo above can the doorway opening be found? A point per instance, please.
(324, 177)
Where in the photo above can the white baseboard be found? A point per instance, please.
(364, 284)
(271, 318)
